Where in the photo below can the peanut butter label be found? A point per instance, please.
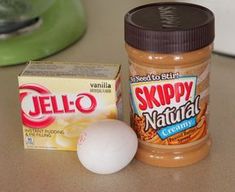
(166, 108)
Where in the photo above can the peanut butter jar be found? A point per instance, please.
(169, 47)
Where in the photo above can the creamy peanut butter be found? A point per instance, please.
(169, 47)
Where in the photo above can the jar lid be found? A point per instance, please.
(169, 27)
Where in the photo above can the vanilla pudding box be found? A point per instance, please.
(59, 100)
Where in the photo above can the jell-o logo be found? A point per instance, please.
(40, 106)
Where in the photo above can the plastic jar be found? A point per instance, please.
(169, 47)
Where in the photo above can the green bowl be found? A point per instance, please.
(62, 24)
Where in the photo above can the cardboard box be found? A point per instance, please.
(59, 100)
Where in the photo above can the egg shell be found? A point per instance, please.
(107, 146)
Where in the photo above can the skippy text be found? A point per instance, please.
(167, 105)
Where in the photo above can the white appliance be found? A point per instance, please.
(224, 11)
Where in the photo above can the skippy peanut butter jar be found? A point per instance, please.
(169, 47)
(59, 100)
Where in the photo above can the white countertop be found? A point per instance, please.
(38, 170)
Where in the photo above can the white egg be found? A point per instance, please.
(107, 146)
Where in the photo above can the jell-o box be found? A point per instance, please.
(60, 99)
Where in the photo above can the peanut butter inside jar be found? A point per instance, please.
(169, 47)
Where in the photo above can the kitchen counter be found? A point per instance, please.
(40, 170)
